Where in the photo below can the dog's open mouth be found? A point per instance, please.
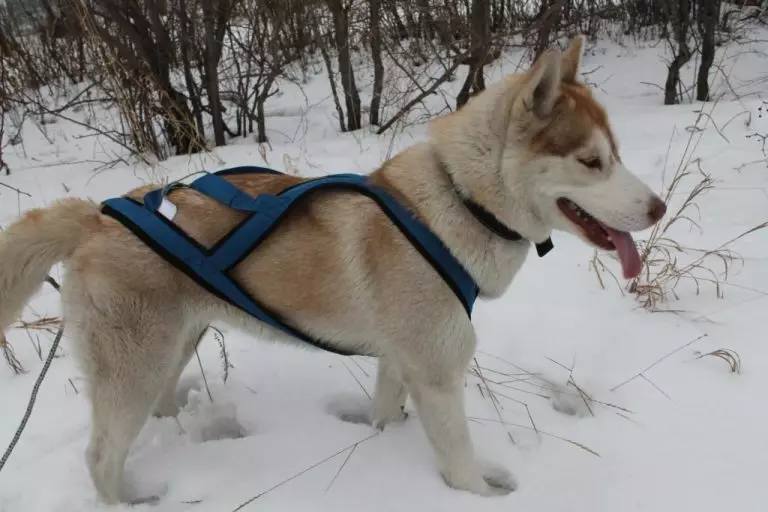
(604, 237)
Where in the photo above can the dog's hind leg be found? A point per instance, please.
(167, 405)
(388, 400)
(127, 345)
(390, 396)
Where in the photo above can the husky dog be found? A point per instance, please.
(534, 151)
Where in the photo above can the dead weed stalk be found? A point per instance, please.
(667, 262)
(500, 385)
(10, 357)
(49, 324)
(731, 357)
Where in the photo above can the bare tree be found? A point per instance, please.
(678, 16)
(378, 65)
(481, 31)
(186, 44)
(215, 19)
(707, 16)
(174, 70)
(143, 45)
(340, 13)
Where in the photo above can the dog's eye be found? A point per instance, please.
(592, 163)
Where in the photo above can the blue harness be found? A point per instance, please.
(211, 268)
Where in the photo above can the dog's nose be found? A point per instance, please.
(656, 210)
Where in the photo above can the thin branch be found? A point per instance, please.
(303, 471)
(640, 373)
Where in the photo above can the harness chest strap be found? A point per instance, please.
(210, 268)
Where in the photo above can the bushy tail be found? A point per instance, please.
(33, 244)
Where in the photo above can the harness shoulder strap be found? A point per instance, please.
(268, 210)
(215, 187)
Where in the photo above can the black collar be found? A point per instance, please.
(491, 222)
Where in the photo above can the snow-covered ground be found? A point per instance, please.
(685, 434)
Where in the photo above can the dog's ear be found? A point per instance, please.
(542, 84)
(571, 61)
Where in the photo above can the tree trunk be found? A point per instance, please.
(149, 56)
(394, 15)
(498, 16)
(548, 19)
(480, 48)
(707, 19)
(212, 53)
(351, 94)
(81, 63)
(378, 66)
(425, 19)
(179, 124)
(678, 11)
(261, 121)
(185, 41)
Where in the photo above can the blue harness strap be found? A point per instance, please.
(210, 268)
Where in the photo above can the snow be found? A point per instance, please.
(685, 434)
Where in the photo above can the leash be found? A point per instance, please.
(35, 388)
(32, 398)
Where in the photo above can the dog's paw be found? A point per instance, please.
(166, 410)
(149, 495)
(499, 479)
(381, 420)
(362, 412)
(484, 480)
(148, 500)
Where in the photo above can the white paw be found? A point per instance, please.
(145, 493)
(359, 411)
(499, 479)
(147, 500)
(381, 420)
(485, 480)
(166, 409)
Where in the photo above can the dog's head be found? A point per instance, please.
(556, 157)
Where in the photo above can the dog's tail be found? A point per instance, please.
(32, 245)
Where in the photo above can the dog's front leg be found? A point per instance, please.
(390, 396)
(440, 406)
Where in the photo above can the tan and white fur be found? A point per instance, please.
(337, 268)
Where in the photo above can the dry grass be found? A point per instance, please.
(49, 324)
(350, 448)
(10, 357)
(226, 365)
(514, 393)
(643, 374)
(761, 138)
(514, 386)
(730, 357)
(666, 262)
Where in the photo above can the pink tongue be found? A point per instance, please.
(625, 246)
